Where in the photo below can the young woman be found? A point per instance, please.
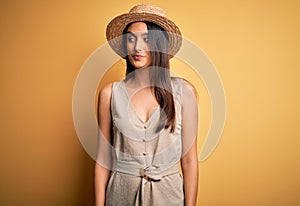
(148, 121)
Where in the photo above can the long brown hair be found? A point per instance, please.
(159, 74)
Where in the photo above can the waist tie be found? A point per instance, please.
(150, 173)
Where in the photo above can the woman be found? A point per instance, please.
(149, 118)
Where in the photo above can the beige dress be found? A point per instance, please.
(145, 170)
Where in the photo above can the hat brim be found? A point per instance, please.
(115, 28)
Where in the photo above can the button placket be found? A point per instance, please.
(144, 140)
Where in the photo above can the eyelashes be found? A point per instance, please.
(132, 39)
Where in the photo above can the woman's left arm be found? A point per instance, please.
(189, 161)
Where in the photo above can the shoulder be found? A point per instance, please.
(105, 92)
(187, 87)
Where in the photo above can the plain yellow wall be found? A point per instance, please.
(254, 45)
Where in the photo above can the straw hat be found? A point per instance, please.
(142, 12)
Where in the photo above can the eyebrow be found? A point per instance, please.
(129, 32)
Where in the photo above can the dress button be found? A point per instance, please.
(144, 140)
(144, 153)
(145, 127)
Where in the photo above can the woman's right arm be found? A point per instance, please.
(104, 160)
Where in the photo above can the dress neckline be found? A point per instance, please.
(152, 113)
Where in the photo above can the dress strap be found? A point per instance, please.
(177, 89)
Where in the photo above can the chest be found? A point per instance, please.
(144, 103)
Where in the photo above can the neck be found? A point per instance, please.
(141, 77)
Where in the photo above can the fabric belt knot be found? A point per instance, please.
(149, 173)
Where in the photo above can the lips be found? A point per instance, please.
(138, 57)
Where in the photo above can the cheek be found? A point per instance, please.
(149, 57)
(130, 47)
(131, 59)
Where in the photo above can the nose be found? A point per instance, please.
(139, 45)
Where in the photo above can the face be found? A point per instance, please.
(138, 46)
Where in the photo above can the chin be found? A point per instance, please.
(140, 66)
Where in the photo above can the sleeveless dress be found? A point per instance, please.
(145, 169)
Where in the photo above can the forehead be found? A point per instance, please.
(138, 27)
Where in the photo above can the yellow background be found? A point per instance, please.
(254, 46)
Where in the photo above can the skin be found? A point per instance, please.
(137, 45)
(189, 161)
(138, 88)
(144, 103)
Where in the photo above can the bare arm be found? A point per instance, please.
(189, 162)
(103, 164)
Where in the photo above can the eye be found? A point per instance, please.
(131, 39)
(146, 39)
